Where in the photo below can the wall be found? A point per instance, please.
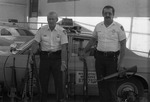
(124, 8)
(13, 9)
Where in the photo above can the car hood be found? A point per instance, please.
(7, 41)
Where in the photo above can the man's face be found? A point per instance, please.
(108, 14)
(52, 19)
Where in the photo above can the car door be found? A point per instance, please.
(76, 66)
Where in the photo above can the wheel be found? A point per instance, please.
(129, 90)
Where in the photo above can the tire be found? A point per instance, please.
(129, 88)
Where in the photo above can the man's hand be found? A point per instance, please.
(63, 66)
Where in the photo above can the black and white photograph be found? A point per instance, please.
(74, 50)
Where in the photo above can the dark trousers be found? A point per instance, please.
(106, 65)
(51, 64)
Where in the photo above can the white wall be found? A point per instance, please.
(13, 9)
(124, 8)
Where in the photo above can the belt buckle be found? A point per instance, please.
(49, 53)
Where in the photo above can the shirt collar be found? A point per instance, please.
(113, 23)
(56, 27)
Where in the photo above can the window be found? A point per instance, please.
(79, 44)
(33, 10)
(24, 32)
(5, 32)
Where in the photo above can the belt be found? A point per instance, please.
(51, 52)
(109, 53)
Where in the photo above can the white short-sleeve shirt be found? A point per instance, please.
(51, 40)
(109, 37)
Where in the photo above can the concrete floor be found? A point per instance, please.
(51, 98)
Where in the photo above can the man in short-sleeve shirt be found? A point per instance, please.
(52, 41)
(111, 43)
(109, 37)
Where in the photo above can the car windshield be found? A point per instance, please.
(24, 32)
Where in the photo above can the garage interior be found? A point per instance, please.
(134, 15)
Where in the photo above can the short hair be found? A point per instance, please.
(52, 13)
(109, 7)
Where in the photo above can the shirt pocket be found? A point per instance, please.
(57, 38)
(114, 35)
(45, 38)
(100, 34)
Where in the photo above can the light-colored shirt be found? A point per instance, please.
(51, 40)
(109, 37)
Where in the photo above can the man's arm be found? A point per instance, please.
(64, 57)
(90, 44)
(122, 53)
(35, 47)
(64, 52)
(87, 48)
